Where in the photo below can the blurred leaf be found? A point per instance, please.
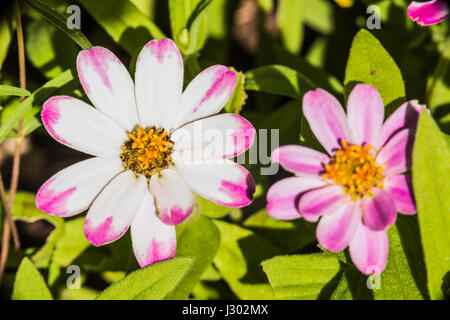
(29, 284)
(439, 91)
(370, 63)
(300, 276)
(30, 123)
(210, 209)
(7, 27)
(78, 294)
(266, 5)
(191, 239)
(36, 99)
(279, 80)
(290, 16)
(239, 96)
(126, 24)
(151, 283)
(238, 261)
(319, 16)
(431, 173)
(13, 91)
(60, 21)
(289, 236)
(24, 209)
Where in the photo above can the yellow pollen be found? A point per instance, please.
(147, 152)
(355, 169)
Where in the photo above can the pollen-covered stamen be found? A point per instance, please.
(147, 152)
(355, 169)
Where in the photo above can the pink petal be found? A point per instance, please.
(207, 94)
(405, 117)
(174, 198)
(428, 13)
(365, 112)
(369, 250)
(153, 240)
(218, 137)
(327, 119)
(108, 85)
(318, 202)
(395, 156)
(300, 160)
(401, 190)
(335, 231)
(379, 210)
(283, 196)
(114, 209)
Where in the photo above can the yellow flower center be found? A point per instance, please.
(355, 169)
(147, 152)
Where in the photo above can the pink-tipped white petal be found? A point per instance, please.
(207, 94)
(327, 119)
(429, 12)
(173, 196)
(401, 190)
(114, 209)
(379, 211)
(223, 182)
(365, 113)
(369, 250)
(81, 127)
(405, 117)
(108, 85)
(218, 137)
(153, 240)
(159, 83)
(335, 231)
(283, 196)
(300, 160)
(318, 202)
(395, 156)
(72, 190)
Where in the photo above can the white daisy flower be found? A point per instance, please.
(142, 136)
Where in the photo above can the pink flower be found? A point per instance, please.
(358, 187)
(141, 136)
(429, 12)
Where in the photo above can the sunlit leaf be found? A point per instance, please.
(29, 284)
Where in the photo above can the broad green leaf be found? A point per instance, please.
(319, 15)
(289, 236)
(239, 96)
(351, 285)
(29, 284)
(13, 91)
(147, 7)
(370, 63)
(210, 209)
(431, 174)
(78, 294)
(151, 283)
(438, 93)
(397, 279)
(279, 80)
(37, 98)
(24, 209)
(191, 239)
(238, 261)
(301, 276)
(124, 23)
(290, 17)
(7, 27)
(60, 21)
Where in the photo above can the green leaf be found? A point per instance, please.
(301, 276)
(151, 283)
(319, 16)
(239, 96)
(266, 5)
(289, 236)
(60, 21)
(431, 173)
(24, 209)
(238, 261)
(125, 24)
(13, 91)
(29, 284)
(397, 279)
(191, 239)
(36, 99)
(370, 63)
(279, 80)
(210, 209)
(290, 22)
(7, 27)
(438, 93)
